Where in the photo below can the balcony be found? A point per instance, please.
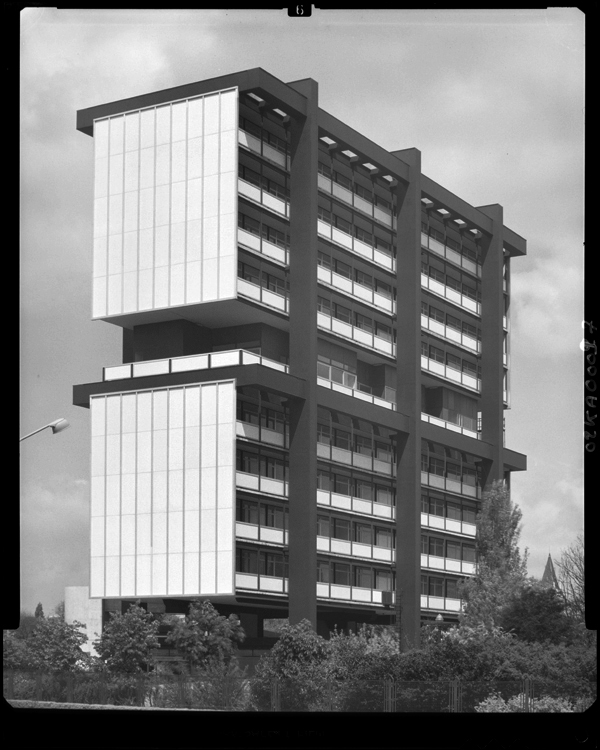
(258, 146)
(358, 335)
(187, 363)
(256, 483)
(355, 549)
(261, 434)
(381, 214)
(258, 195)
(260, 533)
(448, 565)
(358, 460)
(450, 485)
(356, 290)
(263, 296)
(260, 245)
(440, 603)
(449, 254)
(451, 295)
(337, 592)
(342, 381)
(450, 334)
(505, 322)
(355, 504)
(255, 582)
(448, 524)
(451, 425)
(356, 246)
(450, 374)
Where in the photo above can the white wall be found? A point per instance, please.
(79, 606)
(165, 205)
(163, 491)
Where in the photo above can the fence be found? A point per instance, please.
(165, 690)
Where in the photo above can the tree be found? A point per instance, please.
(27, 624)
(571, 579)
(59, 610)
(204, 634)
(537, 614)
(55, 646)
(127, 641)
(39, 610)
(501, 570)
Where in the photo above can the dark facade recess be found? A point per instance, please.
(316, 363)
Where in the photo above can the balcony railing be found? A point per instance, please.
(450, 334)
(383, 215)
(358, 460)
(260, 245)
(354, 333)
(335, 235)
(442, 603)
(188, 363)
(450, 373)
(255, 582)
(349, 593)
(261, 434)
(263, 295)
(449, 254)
(355, 504)
(356, 290)
(450, 485)
(355, 549)
(260, 533)
(441, 290)
(452, 525)
(447, 564)
(264, 198)
(258, 146)
(450, 426)
(346, 382)
(257, 483)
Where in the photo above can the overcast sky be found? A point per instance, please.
(492, 99)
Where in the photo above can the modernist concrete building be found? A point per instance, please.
(315, 362)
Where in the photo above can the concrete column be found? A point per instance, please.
(303, 360)
(492, 309)
(408, 369)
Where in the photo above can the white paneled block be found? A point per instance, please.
(208, 570)
(144, 575)
(191, 570)
(159, 574)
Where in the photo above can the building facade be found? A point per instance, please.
(315, 362)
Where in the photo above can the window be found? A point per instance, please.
(453, 550)
(323, 434)
(469, 367)
(468, 553)
(247, 412)
(363, 236)
(324, 260)
(364, 279)
(249, 273)
(453, 471)
(323, 526)
(247, 462)
(453, 322)
(363, 489)
(470, 330)
(322, 571)
(383, 538)
(436, 587)
(382, 331)
(452, 589)
(324, 306)
(363, 533)
(341, 574)
(436, 466)
(436, 354)
(324, 170)
(246, 561)
(324, 215)
(384, 495)
(272, 468)
(468, 514)
(343, 484)
(341, 529)
(246, 511)
(363, 577)
(273, 564)
(343, 269)
(384, 289)
(343, 313)
(436, 314)
(324, 481)
(272, 516)
(342, 224)
(363, 445)
(436, 547)
(424, 588)
(274, 236)
(383, 452)
(383, 580)
(363, 192)
(342, 440)
(342, 180)
(272, 420)
(249, 175)
(249, 224)
(383, 246)
(453, 361)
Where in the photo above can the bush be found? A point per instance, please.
(516, 704)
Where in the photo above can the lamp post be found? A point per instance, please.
(57, 426)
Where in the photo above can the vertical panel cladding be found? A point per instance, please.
(163, 492)
(165, 205)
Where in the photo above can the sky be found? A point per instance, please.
(492, 99)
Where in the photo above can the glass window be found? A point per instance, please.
(363, 235)
(436, 314)
(364, 279)
(424, 349)
(343, 313)
(342, 439)
(247, 462)
(468, 514)
(453, 511)
(246, 561)
(424, 545)
(453, 322)
(424, 587)
(273, 564)
(343, 269)
(383, 538)
(453, 472)
(384, 495)
(436, 354)
(322, 571)
(323, 434)
(271, 467)
(452, 589)
(382, 288)
(272, 516)
(452, 361)
(324, 170)
(468, 553)
(436, 466)
(323, 526)
(343, 484)
(363, 192)
(383, 246)
(363, 577)
(246, 511)
(249, 224)
(383, 580)
(436, 587)
(274, 236)
(383, 452)
(342, 224)
(469, 367)
(363, 489)
(453, 550)
(341, 574)
(324, 305)
(363, 533)
(323, 480)
(436, 547)
(342, 180)
(324, 215)
(341, 529)
(363, 445)
(247, 412)
(324, 260)
(249, 273)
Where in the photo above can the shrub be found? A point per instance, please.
(516, 704)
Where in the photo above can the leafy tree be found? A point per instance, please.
(537, 614)
(39, 610)
(128, 639)
(59, 610)
(501, 570)
(55, 646)
(571, 579)
(27, 624)
(15, 651)
(204, 634)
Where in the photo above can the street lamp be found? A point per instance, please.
(57, 426)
